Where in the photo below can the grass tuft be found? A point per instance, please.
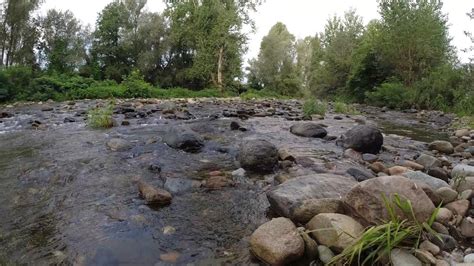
(376, 243)
(311, 107)
(343, 108)
(101, 117)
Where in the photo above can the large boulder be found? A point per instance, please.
(363, 138)
(298, 198)
(183, 138)
(441, 146)
(309, 130)
(365, 200)
(277, 242)
(258, 156)
(433, 182)
(335, 230)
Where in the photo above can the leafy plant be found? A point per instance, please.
(312, 106)
(343, 108)
(101, 117)
(391, 94)
(377, 241)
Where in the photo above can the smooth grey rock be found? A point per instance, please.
(183, 138)
(428, 161)
(400, 257)
(117, 144)
(462, 170)
(325, 254)
(288, 196)
(309, 130)
(359, 175)
(432, 182)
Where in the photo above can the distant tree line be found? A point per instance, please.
(402, 60)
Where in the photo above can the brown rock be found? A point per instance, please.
(413, 165)
(216, 182)
(397, 170)
(153, 195)
(284, 155)
(429, 246)
(467, 227)
(334, 230)
(447, 194)
(424, 256)
(309, 208)
(170, 257)
(366, 202)
(444, 216)
(277, 242)
(440, 228)
(378, 167)
(458, 207)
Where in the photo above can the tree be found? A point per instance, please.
(108, 47)
(275, 65)
(207, 40)
(340, 39)
(63, 45)
(414, 37)
(18, 31)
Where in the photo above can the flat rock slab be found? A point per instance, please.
(433, 182)
(286, 198)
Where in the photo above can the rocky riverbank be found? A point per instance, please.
(225, 181)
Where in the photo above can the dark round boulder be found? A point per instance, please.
(309, 130)
(258, 156)
(362, 138)
(183, 139)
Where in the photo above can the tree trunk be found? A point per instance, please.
(219, 70)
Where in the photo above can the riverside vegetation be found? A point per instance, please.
(138, 141)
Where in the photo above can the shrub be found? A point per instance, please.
(101, 117)
(390, 94)
(343, 108)
(311, 107)
(136, 86)
(260, 94)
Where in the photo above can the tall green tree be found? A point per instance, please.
(18, 31)
(341, 37)
(414, 37)
(208, 40)
(62, 45)
(275, 67)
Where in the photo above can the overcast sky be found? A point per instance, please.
(302, 17)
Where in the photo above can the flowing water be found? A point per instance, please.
(66, 199)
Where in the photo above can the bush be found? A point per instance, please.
(343, 108)
(15, 81)
(136, 86)
(311, 107)
(260, 94)
(390, 94)
(101, 117)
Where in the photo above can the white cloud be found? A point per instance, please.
(302, 17)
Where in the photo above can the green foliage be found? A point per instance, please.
(260, 94)
(274, 68)
(311, 107)
(101, 117)
(390, 94)
(378, 241)
(343, 108)
(136, 87)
